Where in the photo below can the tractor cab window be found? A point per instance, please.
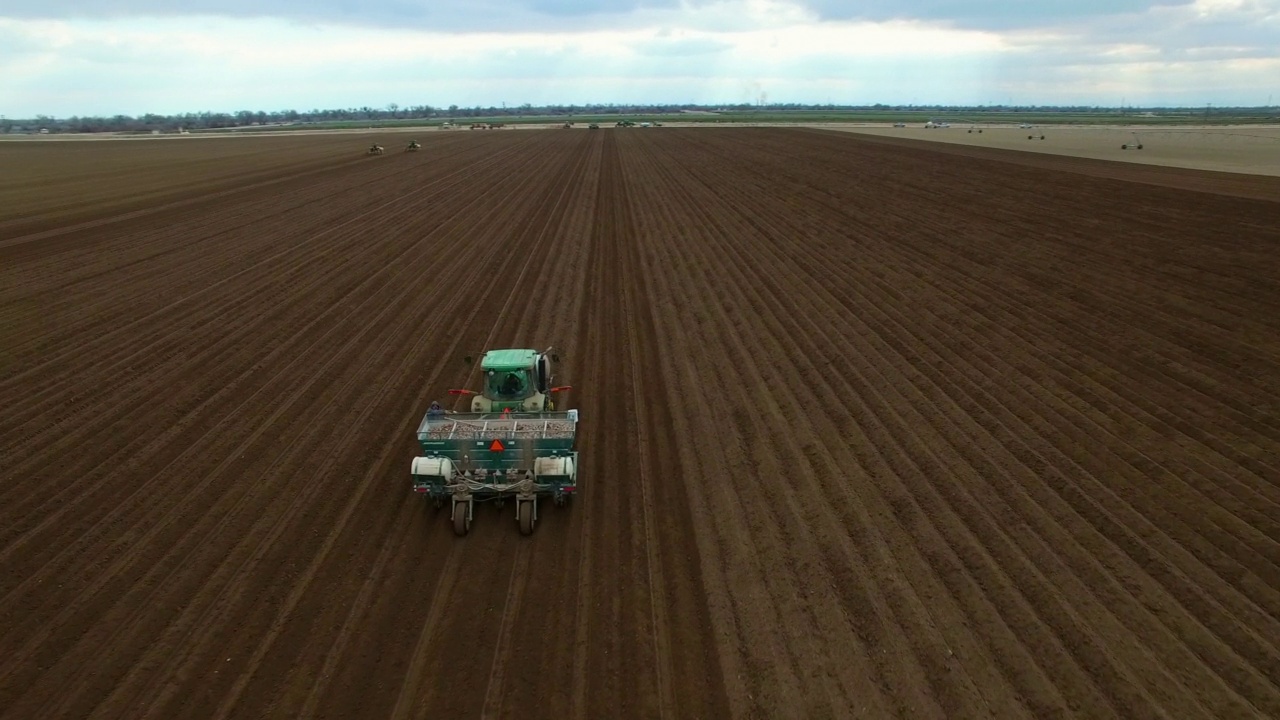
(507, 384)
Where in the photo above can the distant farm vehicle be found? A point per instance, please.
(593, 126)
(375, 150)
(413, 146)
(1136, 144)
(625, 124)
(1033, 137)
(513, 445)
(900, 124)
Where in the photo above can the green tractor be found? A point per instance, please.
(512, 446)
(515, 380)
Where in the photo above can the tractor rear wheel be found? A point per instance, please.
(525, 515)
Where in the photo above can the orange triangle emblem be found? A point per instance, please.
(496, 446)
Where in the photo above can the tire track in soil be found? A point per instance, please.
(538, 241)
(545, 247)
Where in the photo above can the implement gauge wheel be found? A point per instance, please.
(461, 523)
(525, 514)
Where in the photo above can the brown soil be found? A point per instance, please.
(867, 429)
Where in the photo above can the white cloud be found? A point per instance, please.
(1220, 51)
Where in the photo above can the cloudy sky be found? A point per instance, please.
(103, 57)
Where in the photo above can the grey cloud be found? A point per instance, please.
(545, 15)
(1175, 34)
(982, 14)
(478, 15)
(568, 8)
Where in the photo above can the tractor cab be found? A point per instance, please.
(518, 380)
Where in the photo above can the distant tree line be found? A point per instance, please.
(207, 120)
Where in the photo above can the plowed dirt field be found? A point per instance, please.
(869, 429)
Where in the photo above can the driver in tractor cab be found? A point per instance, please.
(512, 385)
(435, 410)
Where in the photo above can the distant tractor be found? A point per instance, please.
(1136, 144)
(593, 126)
(413, 146)
(511, 446)
(375, 150)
